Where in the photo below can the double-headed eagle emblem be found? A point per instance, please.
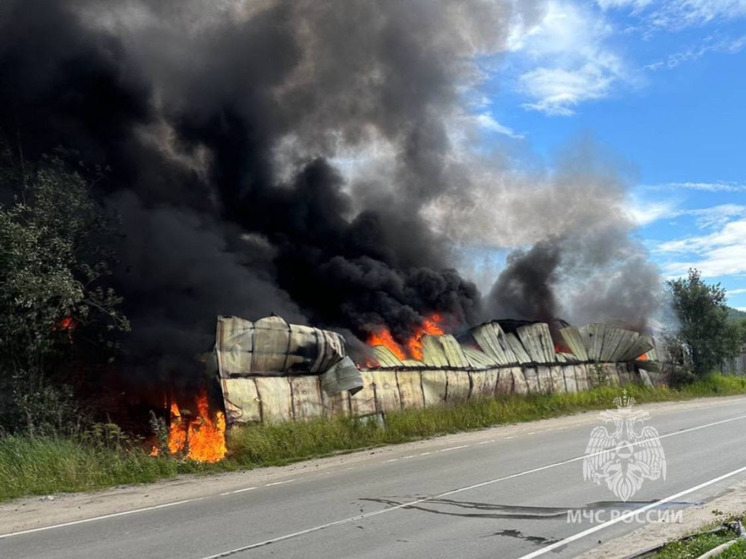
(626, 456)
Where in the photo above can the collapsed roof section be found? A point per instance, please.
(272, 347)
(488, 346)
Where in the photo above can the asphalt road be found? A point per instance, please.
(504, 493)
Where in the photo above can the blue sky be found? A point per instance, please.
(662, 84)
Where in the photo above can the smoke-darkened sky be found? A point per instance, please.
(318, 160)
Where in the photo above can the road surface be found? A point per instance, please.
(503, 492)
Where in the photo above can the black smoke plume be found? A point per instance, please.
(229, 132)
(220, 125)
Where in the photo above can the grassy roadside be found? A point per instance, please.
(696, 545)
(51, 465)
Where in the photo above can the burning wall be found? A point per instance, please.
(486, 362)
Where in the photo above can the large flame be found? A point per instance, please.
(206, 437)
(176, 431)
(383, 337)
(412, 348)
(201, 436)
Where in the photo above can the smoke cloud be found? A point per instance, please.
(304, 158)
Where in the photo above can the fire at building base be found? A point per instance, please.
(272, 371)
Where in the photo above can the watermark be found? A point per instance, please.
(601, 516)
(624, 452)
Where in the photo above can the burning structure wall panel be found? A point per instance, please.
(364, 402)
(520, 384)
(532, 380)
(571, 385)
(434, 386)
(432, 352)
(544, 379)
(558, 379)
(573, 339)
(276, 399)
(581, 377)
(459, 386)
(488, 337)
(504, 384)
(478, 359)
(624, 373)
(386, 357)
(609, 372)
(336, 404)
(306, 394)
(242, 403)
(272, 347)
(483, 383)
(410, 389)
(448, 371)
(453, 351)
(386, 390)
(521, 355)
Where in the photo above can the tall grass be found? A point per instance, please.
(38, 466)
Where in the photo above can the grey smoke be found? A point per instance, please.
(230, 126)
(586, 264)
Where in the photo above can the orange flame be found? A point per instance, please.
(383, 337)
(206, 437)
(176, 431)
(412, 348)
(202, 436)
(431, 326)
(67, 323)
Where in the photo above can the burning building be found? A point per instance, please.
(270, 370)
(315, 159)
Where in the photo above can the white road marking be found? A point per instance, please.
(391, 460)
(278, 482)
(85, 520)
(630, 514)
(354, 518)
(242, 490)
(477, 486)
(453, 448)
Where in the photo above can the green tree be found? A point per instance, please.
(53, 275)
(703, 322)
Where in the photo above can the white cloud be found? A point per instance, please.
(678, 14)
(557, 90)
(644, 212)
(565, 59)
(706, 186)
(488, 122)
(720, 253)
(736, 291)
(716, 215)
(692, 53)
(636, 5)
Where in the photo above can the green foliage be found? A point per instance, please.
(102, 457)
(694, 547)
(734, 315)
(703, 322)
(52, 279)
(736, 551)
